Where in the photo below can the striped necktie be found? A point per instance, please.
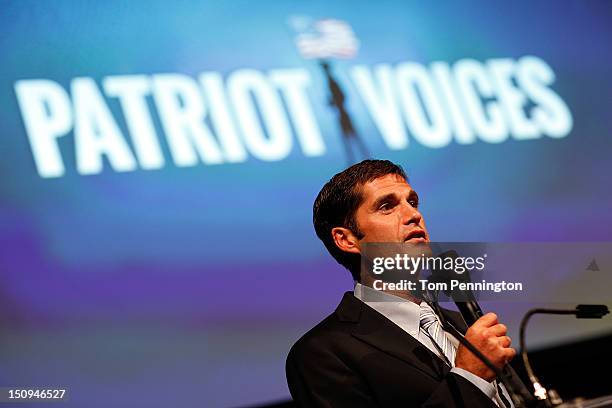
(431, 325)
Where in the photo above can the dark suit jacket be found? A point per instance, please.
(356, 357)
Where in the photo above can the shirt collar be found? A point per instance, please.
(400, 311)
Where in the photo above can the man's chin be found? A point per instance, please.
(417, 247)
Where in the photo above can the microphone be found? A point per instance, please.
(464, 299)
(591, 311)
(581, 312)
(470, 311)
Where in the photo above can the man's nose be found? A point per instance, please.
(410, 215)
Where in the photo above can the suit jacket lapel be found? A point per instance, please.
(381, 333)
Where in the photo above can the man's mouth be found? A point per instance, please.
(416, 236)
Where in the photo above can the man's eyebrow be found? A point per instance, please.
(382, 199)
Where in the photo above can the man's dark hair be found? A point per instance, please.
(337, 202)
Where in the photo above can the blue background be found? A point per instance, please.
(187, 286)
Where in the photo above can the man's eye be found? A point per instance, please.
(384, 207)
(413, 202)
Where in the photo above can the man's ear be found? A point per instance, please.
(345, 240)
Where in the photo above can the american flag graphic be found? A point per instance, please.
(325, 38)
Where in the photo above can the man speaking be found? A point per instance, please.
(379, 349)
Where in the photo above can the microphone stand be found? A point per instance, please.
(550, 397)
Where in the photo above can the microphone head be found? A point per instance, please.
(591, 311)
(446, 276)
